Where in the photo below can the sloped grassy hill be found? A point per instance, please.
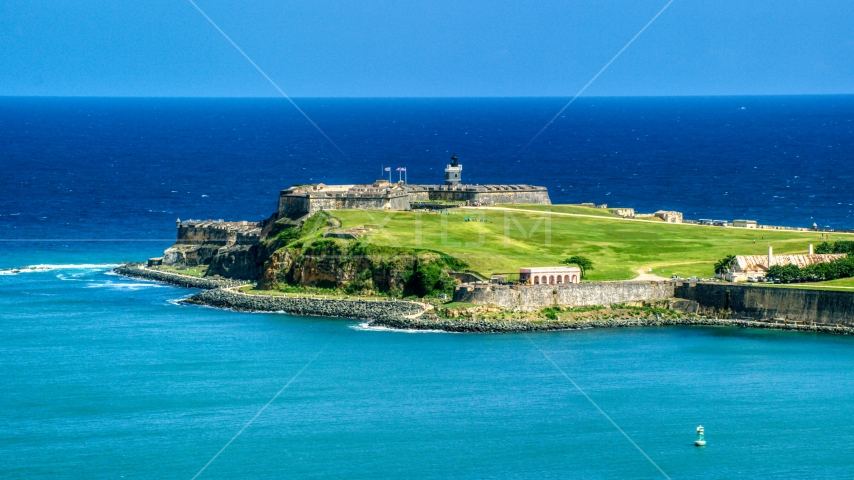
(514, 238)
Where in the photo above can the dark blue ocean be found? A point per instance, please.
(106, 377)
(126, 168)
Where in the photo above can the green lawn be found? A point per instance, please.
(572, 209)
(198, 271)
(618, 247)
(842, 284)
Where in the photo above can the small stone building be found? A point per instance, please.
(549, 275)
(744, 223)
(669, 216)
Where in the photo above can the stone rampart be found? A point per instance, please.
(498, 194)
(766, 303)
(199, 241)
(540, 197)
(300, 204)
(294, 206)
(218, 233)
(535, 297)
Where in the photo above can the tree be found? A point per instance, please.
(785, 273)
(583, 263)
(723, 265)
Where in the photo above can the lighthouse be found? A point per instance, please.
(453, 172)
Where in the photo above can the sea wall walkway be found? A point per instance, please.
(138, 270)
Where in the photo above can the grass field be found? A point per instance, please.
(511, 239)
(571, 209)
(198, 271)
(841, 284)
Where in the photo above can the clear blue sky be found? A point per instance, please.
(425, 48)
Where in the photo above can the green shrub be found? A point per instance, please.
(841, 268)
(842, 246)
(289, 235)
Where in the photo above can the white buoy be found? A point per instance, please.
(701, 437)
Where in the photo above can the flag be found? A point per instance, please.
(402, 169)
(387, 169)
(398, 169)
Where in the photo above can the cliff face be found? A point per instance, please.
(285, 252)
(240, 261)
(200, 242)
(334, 263)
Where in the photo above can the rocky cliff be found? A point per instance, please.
(280, 252)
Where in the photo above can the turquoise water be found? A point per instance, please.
(105, 377)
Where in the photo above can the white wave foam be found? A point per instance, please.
(367, 327)
(179, 301)
(50, 268)
(125, 286)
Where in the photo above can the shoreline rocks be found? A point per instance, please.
(137, 270)
(406, 315)
(474, 325)
(321, 307)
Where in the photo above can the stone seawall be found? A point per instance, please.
(474, 325)
(137, 270)
(359, 309)
(790, 304)
(535, 297)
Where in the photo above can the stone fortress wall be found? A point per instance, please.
(301, 200)
(536, 297)
(715, 300)
(481, 194)
(199, 240)
(765, 303)
(193, 232)
(296, 202)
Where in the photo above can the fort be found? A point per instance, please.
(199, 240)
(318, 242)
(301, 200)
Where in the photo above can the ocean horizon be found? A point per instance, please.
(110, 377)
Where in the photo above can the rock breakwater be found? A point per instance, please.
(324, 307)
(474, 325)
(137, 270)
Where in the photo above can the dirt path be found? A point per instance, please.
(644, 276)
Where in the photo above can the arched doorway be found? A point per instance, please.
(551, 280)
(566, 279)
(536, 280)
